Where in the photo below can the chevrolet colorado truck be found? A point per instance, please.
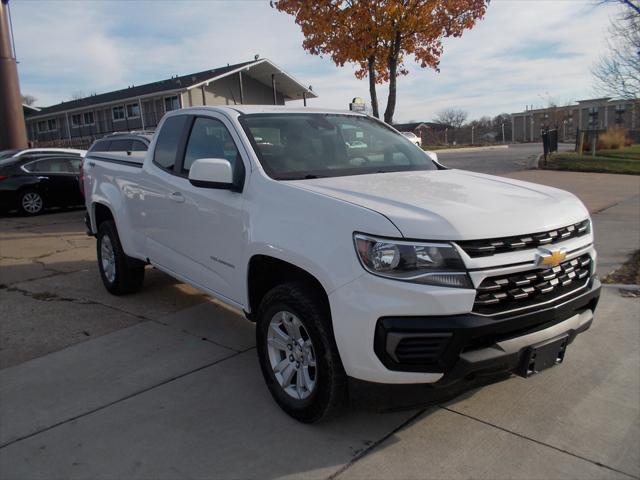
(374, 265)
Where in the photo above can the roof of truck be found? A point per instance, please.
(251, 109)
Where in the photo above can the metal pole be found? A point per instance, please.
(241, 91)
(141, 113)
(472, 127)
(13, 132)
(273, 84)
(502, 132)
(304, 98)
(66, 117)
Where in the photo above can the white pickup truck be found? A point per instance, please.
(371, 266)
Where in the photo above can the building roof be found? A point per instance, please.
(259, 69)
(29, 109)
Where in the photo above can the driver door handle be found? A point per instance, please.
(177, 197)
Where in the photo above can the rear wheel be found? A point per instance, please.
(298, 356)
(30, 202)
(120, 273)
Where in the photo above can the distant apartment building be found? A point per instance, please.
(593, 114)
(141, 107)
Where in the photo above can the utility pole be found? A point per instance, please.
(13, 133)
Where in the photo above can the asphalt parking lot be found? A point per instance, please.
(165, 383)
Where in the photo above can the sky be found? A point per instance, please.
(524, 52)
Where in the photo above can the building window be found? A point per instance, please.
(620, 108)
(133, 110)
(52, 124)
(171, 103)
(118, 112)
(76, 120)
(88, 118)
(42, 126)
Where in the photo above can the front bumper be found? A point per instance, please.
(459, 345)
(480, 366)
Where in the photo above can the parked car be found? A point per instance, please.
(49, 151)
(132, 145)
(8, 153)
(413, 137)
(387, 272)
(32, 182)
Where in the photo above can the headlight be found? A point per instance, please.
(427, 263)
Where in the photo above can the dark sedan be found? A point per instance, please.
(33, 182)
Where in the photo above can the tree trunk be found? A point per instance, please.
(372, 86)
(392, 63)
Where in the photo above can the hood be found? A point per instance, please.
(455, 204)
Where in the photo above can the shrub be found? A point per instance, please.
(612, 139)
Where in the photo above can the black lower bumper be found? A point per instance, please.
(469, 349)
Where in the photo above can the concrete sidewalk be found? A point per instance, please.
(158, 401)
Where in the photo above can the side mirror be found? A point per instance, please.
(211, 173)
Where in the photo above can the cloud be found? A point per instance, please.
(524, 52)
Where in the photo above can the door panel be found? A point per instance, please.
(199, 233)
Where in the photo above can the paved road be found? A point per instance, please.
(496, 162)
(166, 384)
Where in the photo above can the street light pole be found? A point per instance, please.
(502, 132)
(13, 133)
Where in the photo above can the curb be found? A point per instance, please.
(470, 149)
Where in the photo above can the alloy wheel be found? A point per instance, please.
(108, 258)
(291, 355)
(32, 202)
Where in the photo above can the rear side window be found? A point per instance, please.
(50, 165)
(120, 146)
(169, 140)
(138, 146)
(102, 146)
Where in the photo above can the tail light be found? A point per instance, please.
(81, 177)
(3, 177)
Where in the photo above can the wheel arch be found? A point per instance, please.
(266, 272)
(101, 213)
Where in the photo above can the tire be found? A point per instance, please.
(322, 391)
(120, 274)
(30, 202)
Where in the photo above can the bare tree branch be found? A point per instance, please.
(618, 72)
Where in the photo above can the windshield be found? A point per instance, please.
(313, 145)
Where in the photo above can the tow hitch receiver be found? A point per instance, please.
(543, 355)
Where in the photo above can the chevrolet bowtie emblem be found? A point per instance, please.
(547, 258)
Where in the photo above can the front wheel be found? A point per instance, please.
(120, 273)
(298, 355)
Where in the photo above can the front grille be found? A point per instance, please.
(484, 248)
(524, 289)
(423, 350)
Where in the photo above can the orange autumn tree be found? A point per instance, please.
(379, 34)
